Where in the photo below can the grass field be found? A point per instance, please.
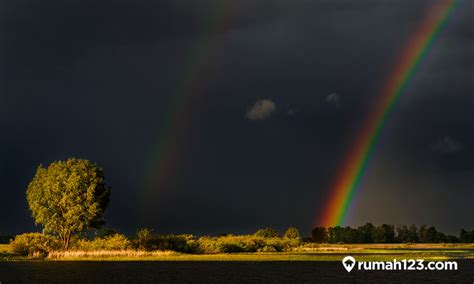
(4, 248)
(325, 252)
(5, 252)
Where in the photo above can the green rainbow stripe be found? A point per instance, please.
(408, 64)
(163, 162)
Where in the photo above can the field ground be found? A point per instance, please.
(323, 252)
(217, 272)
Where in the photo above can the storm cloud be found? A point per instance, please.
(114, 81)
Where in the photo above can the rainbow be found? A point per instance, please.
(408, 64)
(161, 168)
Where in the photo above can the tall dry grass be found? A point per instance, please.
(107, 253)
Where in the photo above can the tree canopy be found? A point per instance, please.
(385, 233)
(267, 233)
(68, 197)
(292, 233)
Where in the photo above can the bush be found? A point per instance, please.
(235, 244)
(143, 239)
(267, 233)
(113, 242)
(175, 243)
(32, 244)
(268, 249)
(179, 243)
(290, 244)
(292, 233)
(228, 247)
(248, 243)
(230, 244)
(208, 245)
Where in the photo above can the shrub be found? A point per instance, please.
(268, 249)
(172, 242)
(229, 244)
(193, 246)
(267, 233)
(277, 243)
(208, 245)
(179, 243)
(113, 242)
(235, 244)
(229, 247)
(292, 233)
(248, 243)
(31, 244)
(143, 239)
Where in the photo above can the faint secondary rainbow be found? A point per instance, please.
(355, 165)
(172, 137)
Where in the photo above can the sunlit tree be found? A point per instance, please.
(68, 197)
(292, 233)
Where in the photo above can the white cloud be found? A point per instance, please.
(261, 110)
(334, 98)
(446, 145)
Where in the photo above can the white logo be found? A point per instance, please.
(349, 263)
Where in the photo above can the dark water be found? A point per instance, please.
(216, 272)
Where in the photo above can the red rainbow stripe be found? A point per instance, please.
(354, 167)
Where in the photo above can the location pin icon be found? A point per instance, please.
(349, 263)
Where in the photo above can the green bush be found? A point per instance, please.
(292, 233)
(208, 245)
(228, 247)
(277, 243)
(268, 249)
(235, 244)
(247, 243)
(143, 239)
(267, 233)
(290, 244)
(179, 243)
(32, 244)
(227, 244)
(113, 242)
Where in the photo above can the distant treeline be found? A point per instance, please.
(369, 233)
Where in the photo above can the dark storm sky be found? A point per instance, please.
(281, 88)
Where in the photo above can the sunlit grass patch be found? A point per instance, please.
(325, 252)
(172, 256)
(253, 257)
(5, 248)
(322, 253)
(78, 254)
(6, 253)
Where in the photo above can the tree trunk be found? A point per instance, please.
(66, 238)
(67, 241)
